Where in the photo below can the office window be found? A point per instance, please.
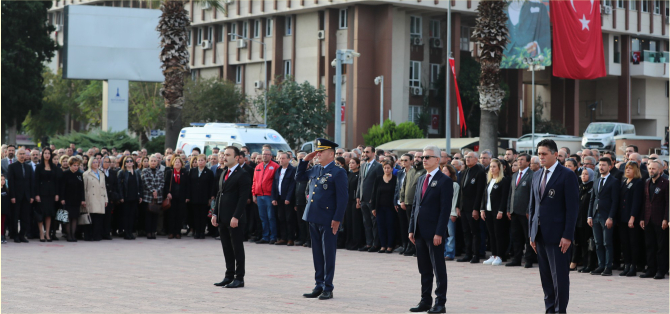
(245, 29)
(233, 30)
(59, 20)
(289, 26)
(434, 29)
(617, 51)
(607, 3)
(465, 38)
(645, 6)
(199, 36)
(287, 68)
(657, 7)
(415, 26)
(219, 33)
(188, 37)
(414, 112)
(415, 74)
(194, 75)
(632, 5)
(620, 4)
(257, 28)
(344, 19)
(434, 74)
(238, 74)
(210, 33)
(268, 27)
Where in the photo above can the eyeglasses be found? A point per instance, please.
(588, 164)
(457, 158)
(129, 161)
(427, 157)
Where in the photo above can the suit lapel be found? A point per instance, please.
(550, 184)
(428, 189)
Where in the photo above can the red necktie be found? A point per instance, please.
(425, 185)
(519, 178)
(225, 178)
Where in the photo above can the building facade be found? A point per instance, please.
(405, 42)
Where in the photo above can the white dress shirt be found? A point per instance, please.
(281, 178)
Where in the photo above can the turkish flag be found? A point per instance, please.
(578, 39)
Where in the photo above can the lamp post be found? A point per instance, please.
(265, 66)
(379, 80)
(342, 56)
(533, 65)
(447, 113)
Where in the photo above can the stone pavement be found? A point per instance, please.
(170, 276)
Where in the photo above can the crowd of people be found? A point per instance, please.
(101, 193)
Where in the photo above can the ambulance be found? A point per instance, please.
(209, 135)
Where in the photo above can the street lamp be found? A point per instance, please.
(265, 66)
(342, 56)
(534, 64)
(379, 80)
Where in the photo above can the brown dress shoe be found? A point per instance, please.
(280, 242)
(290, 243)
(171, 236)
(178, 236)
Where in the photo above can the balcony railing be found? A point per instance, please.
(654, 56)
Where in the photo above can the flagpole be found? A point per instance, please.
(447, 132)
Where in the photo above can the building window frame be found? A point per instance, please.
(210, 33)
(287, 68)
(200, 36)
(245, 29)
(288, 30)
(415, 26)
(414, 73)
(435, 27)
(268, 27)
(632, 5)
(344, 18)
(238, 74)
(233, 30)
(220, 33)
(189, 40)
(645, 6)
(414, 114)
(257, 28)
(464, 44)
(620, 4)
(657, 7)
(434, 74)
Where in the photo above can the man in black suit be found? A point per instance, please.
(231, 202)
(428, 230)
(470, 199)
(602, 210)
(253, 219)
(21, 193)
(370, 170)
(283, 196)
(517, 211)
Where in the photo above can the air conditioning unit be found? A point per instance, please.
(206, 5)
(437, 43)
(206, 44)
(606, 9)
(417, 41)
(230, 1)
(241, 43)
(322, 34)
(58, 28)
(258, 84)
(416, 91)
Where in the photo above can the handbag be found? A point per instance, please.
(62, 215)
(166, 202)
(84, 219)
(155, 208)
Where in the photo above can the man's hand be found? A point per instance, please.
(187, 200)
(564, 245)
(169, 196)
(287, 202)
(335, 225)
(499, 216)
(255, 200)
(453, 218)
(358, 203)
(402, 205)
(374, 213)
(248, 201)
(396, 208)
(214, 221)
(642, 224)
(483, 215)
(233, 222)
(121, 200)
(475, 215)
(527, 216)
(310, 156)
(295, 208)
(664, 224)
(32, 200)
(56, 198)
(631, 222)
(590, 222)
(411, 237)
(83, 203)
(532, 244)
(509, 216)
(63, 203)
(437, 240)
(141, 200)
(155, 194)
(105, 204)
(37, 198)
(13, 201)
(458, 212)
(274, 203)
(609, 223)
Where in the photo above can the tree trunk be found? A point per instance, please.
(172, 126)
(11, 134)
(488, 132)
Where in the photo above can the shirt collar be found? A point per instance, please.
(553, 167)
(607, 176)
(328, 165)
(432, 173)
(233, 168)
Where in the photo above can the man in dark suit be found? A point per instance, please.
(283, 196)
(470, 200)
(553, 213)
(370, 170)
(654, 221)
(602, 211)
(326, 204)
(517, 211)
(253, 219)
(428, 230)
(231, 201)
(21, 193)
(10, 159)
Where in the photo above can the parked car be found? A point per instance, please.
(600, 135)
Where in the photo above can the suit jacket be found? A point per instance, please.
(431, 212)
(498, 195)
(328, 192)
(112, 185)
(179, 191)
(656, 209)
(21, 187)
(367, 180)
(616, 173)
(400, 177)
(231, 199)
(200, 187)
(557, 209)
(5, 164)
(122, 177)
(287, 186)
(473, 185)
(519, 195)
(630, 200)
(605, 200)
(409, 185)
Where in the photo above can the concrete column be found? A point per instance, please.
(277, 47)
(511, 122)
(572, 106)
(624, 110)
(115, 105)
(557, 98)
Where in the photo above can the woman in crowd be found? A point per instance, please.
(340, 162)
(153, 180)
(5, 205)
(175, 189)
(583, 232)
(493, 212)
(571, 164)
(96, 199)
(515, 166)
(450, 245)
(84, 163)
(168, 160)
(46, 193)
(630, 200)
(144, 164)
(72, 195)
(111, 186)
(353, 218)
(382, 204)
(130, 190)
(200, 195)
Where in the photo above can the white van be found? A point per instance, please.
(209, 135)
(600, 135)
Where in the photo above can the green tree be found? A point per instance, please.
(90, 103)
(146, 110)
(297, 111)
(391, 132)
(121, 140)
(155, 145)
(26, 47)
(213, 100)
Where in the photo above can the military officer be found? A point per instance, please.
(326, 203)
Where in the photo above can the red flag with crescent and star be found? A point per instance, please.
(577, 39)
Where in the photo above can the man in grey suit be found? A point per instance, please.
(406, 161)
(517, 211)
(11, 149)
(369, 173)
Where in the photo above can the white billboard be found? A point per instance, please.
(107, 43)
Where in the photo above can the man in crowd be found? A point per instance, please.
(458, 166)
(472, 188)
(370, 170)
(283, 196)
(643, 168)
(10, 159)
(445, 159)
(21, 194)
(511, 155)
(534, 163)
(602, 212)
(566, 150)
(562, 156)
(262, 191)
(408, 190)
(75, 151)
(517, 212)
(613, 170)
(485, 159)
(300, 204)
(654, 222)
(406, 161)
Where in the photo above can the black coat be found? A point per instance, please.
(585, 190)
(353, 185)
(200, 187)
(122, 177)
(287, 185)
(473, 184)
(5, 201)
(301, 193)
(72, 188)
(499, 195)
(231, 199)
(22, 187)
(46, 182)
(631, 199)
(112, 185)
(179, 191)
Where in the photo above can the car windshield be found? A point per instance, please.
(600, 128)
(258, 147)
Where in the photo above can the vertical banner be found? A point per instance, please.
(529, 33)
(461, 117)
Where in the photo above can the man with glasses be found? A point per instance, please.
(534, 163)
(445, 159)
(370, 170)
(472, 188)
(261, 189)
(406, 163)
(485, 159)
(458, 156)
(590, 162)
(408, 190)
(517, 212)
(339, 152)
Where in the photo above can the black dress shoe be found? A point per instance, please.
(326, 295)
(235, 284)
(409, 252)
(224, 282)
(474, 260)
(261, 241)
(272, 242)
(625, 271)
(24, 240)
(315, 293)
(659, 276)
(607, 272)
(584, 269)
(16, 240)
(437, 309)
(363, 248)
(464, 259)
(421, 307)
(373, 249)
(647, 275)
(632, 272)
(510, 264)
(528, 265)
(598, 271)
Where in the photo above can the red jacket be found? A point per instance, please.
(263, 178)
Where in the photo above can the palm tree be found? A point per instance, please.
(175, 58)
(491, 35)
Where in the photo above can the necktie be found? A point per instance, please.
(23, 167)
(602, 183)
(518, 179)
(11, 161)
(225, 178)
(425, 185)
(544, 182)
